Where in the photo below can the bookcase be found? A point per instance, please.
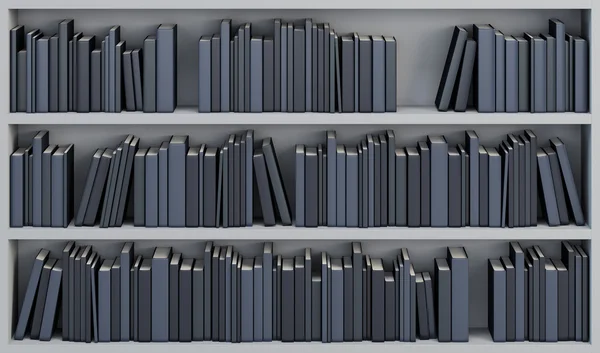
(422, 30)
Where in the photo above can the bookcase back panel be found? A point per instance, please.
(88, 138)
(423, 36)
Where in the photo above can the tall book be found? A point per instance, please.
(451, 68)
(166, 68)
(485, 73)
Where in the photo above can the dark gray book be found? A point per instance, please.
(16, 45)
(558, 183)
(454, 186)
(451, 68)
(327, 56)
(276, 181)
(134, 275)
(378, 301)
(355, 38)
(497, 302)
(47, 185)
(95, 81)
(484, 72)
(324, 298)
(549, 201)
(533, 189)
(174, 297)
(160, 294)
(42, 74)
(365, 77)
(391, 176)
(422, 317)
(562, 300)
(585, 287)
(578, 295)
(465, 184)
(550, 72)
(557, 30)
(114, 37)
(391, 75)
(84, 52)
(264, 190)
(459, 267)
(300, 185)
(40, 301)
(348, 326)
(439, 180)
(517, 258)
(399, 297)
(525, 179)
(461, 93)
(413, 303)
(88, 314)
(512, 74)
(225, 72)
(347, 73)
(51, 302)
(73, 71)
(199, 301)
(333, 74)
(414, 187)
(52, 74)
(341, 186)
(136, 62)
(65, 33)
(289, 32)
(62, 186)
(166, 68)
(201, 155)
(510, 299)
(248, 180)
(105, 71)
(204, 74)
(320, 68)
(215, 81)
(22, 81)
(121, 200)
(210, 169)
(472, 141)
(128, 81)
(116, 181)
(256, 74)
(237, 165)
(529, 299)
(316, 284)
(299, 69)
(110, 185)
(314, 64)
(119, 83)
(494, 184)
(401, 178)
(66, 293)
(368, 279)
(337, 300)
(191, 187)
(299, 299)
(139, 188)
(145, 301)
(551, 301)
(242, 181)
(268, 79)
(538, 73)
(177, 150)
(185, 300)
(534, 312)
(225, 183)
(151, 214)
(104, 302)
(246, 76)
(377, 181)
(310, 197)
(331, 178)
(383, 177)
(214, 289)
(149, 79)
(378, 72)
(580, 75)
(267, 299)
(40, 144)
(430, 306)
(30, 46)
(390, 307)
(115, 307)
(425, 154)
(542, 297)
(370, 156)
(234, 292)
(257, 297)
(219, 292)
(277, 265)
(287, 301)
(281, 58)
(524, 68)
(81, 282)
(567, 177)
(74, 277)
(505, 175)
(569, 76)
(351, 182)
(357, 288)
(500, 63)
(443, 300)
(225, 287)
(18, 179)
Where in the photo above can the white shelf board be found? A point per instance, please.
(478, 339)
(404, 116)
(306, 4)
(259, 232)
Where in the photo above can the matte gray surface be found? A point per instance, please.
(166, 68)
(225, 56)
(104, 307)
(152, 188)
(472, 141)
(425, 154)
(351, 219)
(22, 81)
(562, 300)
(145, 301)
(517, 258)
(310, 193)
(401, 186)
(115, 307)
(268, 75)
(299, 299)
(215, 80)
(95, 81)
(443, 300)
(341, 186)
(139, 188)
(137, 63)
(414, 187)
(551, 309)
(331, 179)
(500, 63)
(177, 151)
(557, 30)
(205, 74)
(198, 302)
(454, 188)
(484, 71)
(558, 185)
(149, 80)
(548, 196)
(65, 32)
(174, 297)
(383, 177)
(128, 81)
(160, 294)
(300, 185)
(494, 187)
(42, 74)
(185, 300)
(264, 191)
(287, 301)
(365, 78)
(459, 266)
(378, 61)
(299, 69)
(497, 293)
(512, 74)
(524, 74)
(461, 95)
(551, 72)
(580, 75)
(47, 186)
(439, 180)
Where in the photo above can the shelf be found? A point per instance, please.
(260, 233)
(404, 116)
(479, 339)
(307, 4)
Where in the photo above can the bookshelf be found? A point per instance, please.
(423, 30)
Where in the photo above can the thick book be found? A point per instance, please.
(509, 269)
(512, 74)
(104, 301)
(352, 205)
(40, 144)
(459, 267)
(484, 71)
(347, 73)
(16, 44)
(62, 186)
(65, 33)
(378, 72)
(451, 68)
(268, 80)
(166, 68)
(53, 74)
(95, 81)
(551, 301)
(562, 275)
(160, 294)
(391, 75)
(422, 317)
(549, 201)
(178, 149)
(517, 258)
(365, 78)
(524, 68)
(139, 187)
(439, 180)
(208, 250)
(538, 73)
(115, 308)
(185, 293)
(204, 74)
(18, 179)
(42, 291)
(49, 317)
(443, 300)
(414, 187)
(84, 52)
(174, 296)
(497, 298)
(558, 183)
(151, 182)
(580, 75)
(430, 306)
(149, 74)
(42, 74)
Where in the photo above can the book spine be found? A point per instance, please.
(500, 71)
(484, 84)
(53, 74)
(551, 78)
(352, 209)
(580, 76)
(22, 81)
(215, 81)
(365, 75)
(451, 68)
(47, 186)
(166, 68)
(225, 65)
(268, 77)
(439, 182)
(149, 80)
(308, 73)
(378, 61)
(462, 93)
(17, 188)
(96, 81)
(299, 70)
(204, 75)
(65, 33)
(119, 88)
(277, 47)
(512, 75)
(128, 81)
(391, 75)
(256, 75)
(42, 76)
(57, 200)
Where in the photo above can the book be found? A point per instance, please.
(324, 298)
(557, 30)
(215, 81)
(454, 188)
(377, 181)
(208, 250)
(391, 75)
(136, 62)
(139, 187)
(551, 302)
(425, 154)
(126, 259)
(276, 181)
(225, 58)
(42, 74)
(401, 177)
(149, 72)
(562, 300)
(166, 68)
(512, 74)
(115, 291)
(580, 75)
(204, 74)
(287, 301)
(47, 185)
(40, 144)
(128, 81)
(365, 74)
(459, 267)
(551, 53)
(497, 308)
(30, 46)
(549, 196)
(421, 308)
(145, 301)
(268, 80)
(584, 293)
(451, 68)
(104, 302)
(40, 300)
(300, 184)
(185, 289)
(472, 142)
(337, 300)
(484, 71)
(347, 74)
(18, 178)
(310, 181)
(430, 306)
(264, 190)
(439, 180)
(331, 179)
(460, 95)
(500, 70)
(160, 294)
(174, 296)
(443, 300)
(198, 300)
(22, 81)
(16, 45)
(414, 187)
(118, 92)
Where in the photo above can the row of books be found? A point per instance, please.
(41, 184)
(528, 73)
(303, 67)
(227, 297)
(66, 72)
(532, 297)
(374, 184)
